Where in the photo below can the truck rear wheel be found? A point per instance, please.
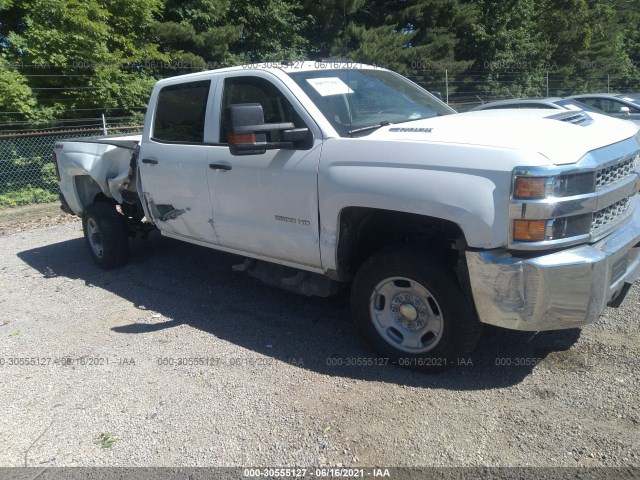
(105, 231)
(408, 306)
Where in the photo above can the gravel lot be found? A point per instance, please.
(106, 388)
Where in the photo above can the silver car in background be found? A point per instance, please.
(626, 107)
(549, 103)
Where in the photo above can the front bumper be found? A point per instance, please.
(565, 289)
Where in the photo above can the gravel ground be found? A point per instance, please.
(106, 388)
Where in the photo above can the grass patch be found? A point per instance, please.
(105, 440)
(25, 196)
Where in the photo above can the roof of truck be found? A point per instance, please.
(285, 66)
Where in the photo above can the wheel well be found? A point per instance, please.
(89, 191)
(364, 231)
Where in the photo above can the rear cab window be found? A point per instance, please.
(180, 113)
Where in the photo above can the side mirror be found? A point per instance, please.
(625, 111)
(248, 133)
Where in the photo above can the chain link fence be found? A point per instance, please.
(465, 90)
(27, 173)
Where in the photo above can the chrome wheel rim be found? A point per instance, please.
(94, 237)
(406, 315)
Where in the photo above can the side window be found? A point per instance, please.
(592, 102)
(610, 106)
(275, 105)
(180, 112)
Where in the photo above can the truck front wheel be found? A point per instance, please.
(105, 231)
(408, 306)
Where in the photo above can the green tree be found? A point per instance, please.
(195, 33)
(209, 33)
(414, 37)
(83, 54)
(271, 30)
(326, 33)
(588, 43)
(508, 50)
(17, 100)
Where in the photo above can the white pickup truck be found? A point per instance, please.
(327, 174)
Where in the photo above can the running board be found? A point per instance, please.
(291, 279)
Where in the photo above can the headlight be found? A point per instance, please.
(530, 191)
(562, 205)
(538, 188)
(531, 188)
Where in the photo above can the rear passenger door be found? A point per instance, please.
(173, 161)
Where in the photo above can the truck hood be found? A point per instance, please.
(550, 133)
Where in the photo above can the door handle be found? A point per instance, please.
(219, 166)
(150, 161)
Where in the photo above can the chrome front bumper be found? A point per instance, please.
(566, 289)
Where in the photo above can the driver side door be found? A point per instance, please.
(265, 204)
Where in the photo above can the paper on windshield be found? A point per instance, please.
(329, 86)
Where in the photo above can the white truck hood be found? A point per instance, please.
(561, 142)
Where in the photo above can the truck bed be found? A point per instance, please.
(93, 165)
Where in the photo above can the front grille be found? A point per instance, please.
(608, 216)
(608, 175)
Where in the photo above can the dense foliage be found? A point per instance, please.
(68, 58)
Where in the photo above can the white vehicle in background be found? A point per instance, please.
(324, 175)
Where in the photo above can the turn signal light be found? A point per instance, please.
(529, 230)
(238, 138)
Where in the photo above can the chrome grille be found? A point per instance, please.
(608, 175)
(608, 216)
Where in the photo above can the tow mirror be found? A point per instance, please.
(248, 132)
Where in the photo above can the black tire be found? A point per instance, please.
(106, 234)
(426, 289)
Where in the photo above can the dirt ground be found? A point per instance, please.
(17, 219)
(175, 360)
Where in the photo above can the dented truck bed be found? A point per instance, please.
(96, 165)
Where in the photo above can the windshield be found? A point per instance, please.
(358, 101)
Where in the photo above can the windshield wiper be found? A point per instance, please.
(369, 127)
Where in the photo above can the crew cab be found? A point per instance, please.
(329, 175)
